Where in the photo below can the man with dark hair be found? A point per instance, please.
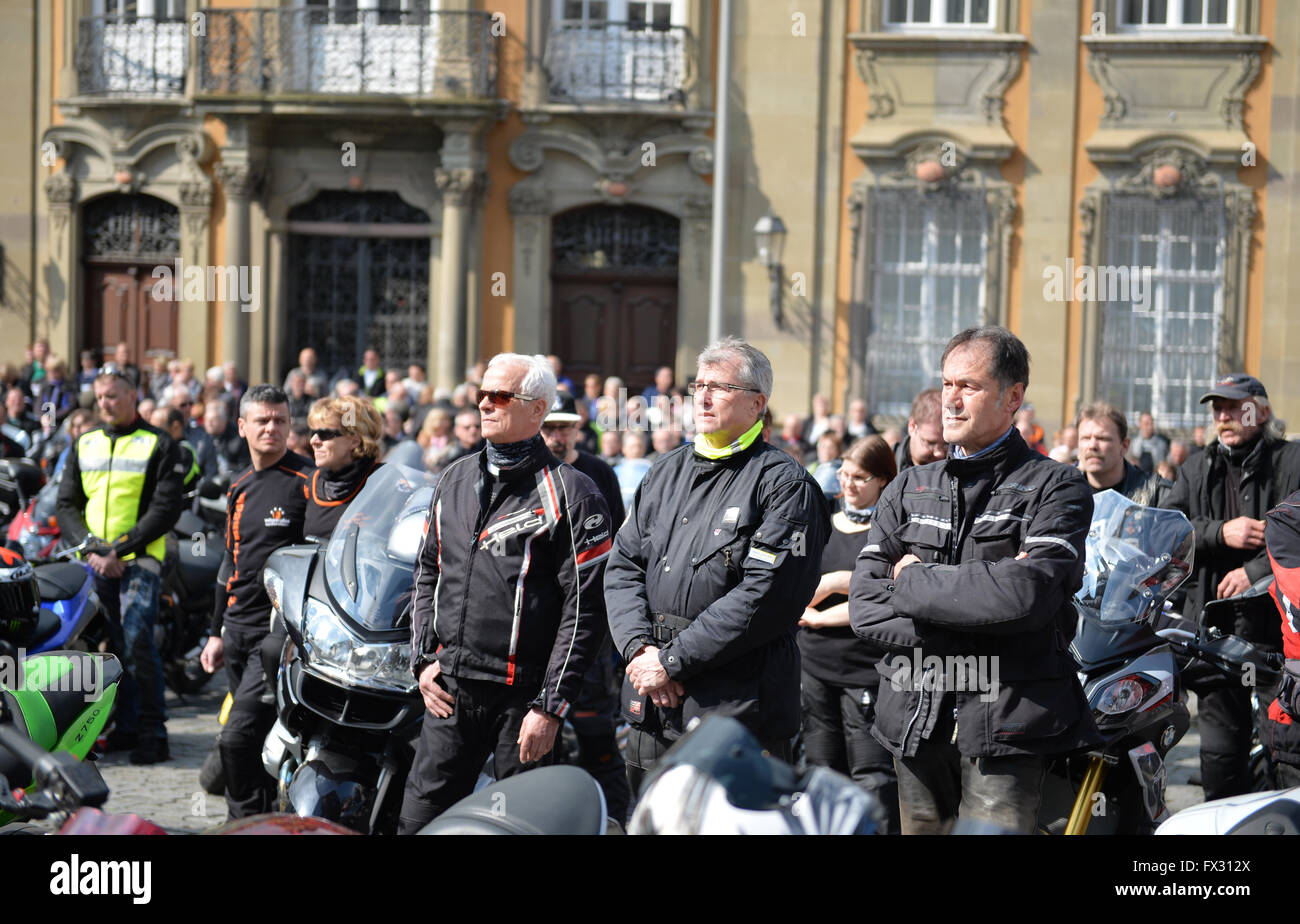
(121, 487)
(975, 562)
(1103, 444)
(711, 572)
(924, 441)
(1226, 491)
(265, 510)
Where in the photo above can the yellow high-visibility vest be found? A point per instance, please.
(113, 473)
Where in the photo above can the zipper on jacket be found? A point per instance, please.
(925, 673)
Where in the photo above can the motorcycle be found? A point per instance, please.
(1132, 654)
(195, 549)
(34, 530)
(50, 718)
(71, 613)
(348, 709)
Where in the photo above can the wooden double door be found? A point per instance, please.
(621, 325)
(121, 306)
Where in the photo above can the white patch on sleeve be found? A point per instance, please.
(762, 555)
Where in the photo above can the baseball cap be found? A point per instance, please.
(1236, 386)
(564, 410)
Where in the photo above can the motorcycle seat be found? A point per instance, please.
(47, 624)
(549, 800)
(60, 580)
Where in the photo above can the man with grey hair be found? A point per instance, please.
(507, 610)
(178, 395)
(712, 570)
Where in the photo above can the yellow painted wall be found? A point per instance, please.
(1015, 115)
(855, 113)
(1256, 116)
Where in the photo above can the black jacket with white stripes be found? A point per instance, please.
(981, 626)
(508, 580)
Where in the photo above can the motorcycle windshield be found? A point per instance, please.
(1137, 557)
(370, 559)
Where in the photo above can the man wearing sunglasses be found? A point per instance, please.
(710, 574)
(507, 610)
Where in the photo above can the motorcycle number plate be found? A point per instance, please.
(1151, 776)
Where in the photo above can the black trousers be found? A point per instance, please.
(595, 721)
(486, 720)
(644, 748)
(1225, 720)
(837, 734)
(250, 790)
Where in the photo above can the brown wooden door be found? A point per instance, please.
(121, 306)
(614, 326)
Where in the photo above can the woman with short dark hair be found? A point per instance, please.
(839, 669)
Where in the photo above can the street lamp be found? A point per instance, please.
(769, 233)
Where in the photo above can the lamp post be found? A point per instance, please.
(769, 234)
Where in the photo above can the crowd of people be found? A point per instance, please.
(338, 427)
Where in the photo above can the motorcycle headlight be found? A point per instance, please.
(334, 650)
(1122, 696)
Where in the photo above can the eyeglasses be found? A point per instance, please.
(548, 427)
(716, 388)
(502, 398)
(858, 481)
(325, 434)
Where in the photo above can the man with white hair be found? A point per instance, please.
(507, 610)
(178, 395)
(711, 572)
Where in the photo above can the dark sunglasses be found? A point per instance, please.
(502, 398)
(325, 434)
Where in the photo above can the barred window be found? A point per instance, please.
(1160, 345)
(927, 283)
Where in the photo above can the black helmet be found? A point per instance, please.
(20, 600)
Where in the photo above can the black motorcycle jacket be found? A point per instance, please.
(1269, 471)
(1139, 487)
(508, 579)
(329, 493)
(980, 624)
(714, 567)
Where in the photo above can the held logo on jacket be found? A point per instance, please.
(493, 538)
(277, 518)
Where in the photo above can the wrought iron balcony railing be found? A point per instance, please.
(619, 62)
(132, 56)
(437, 54)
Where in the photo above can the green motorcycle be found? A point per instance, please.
(53, 707)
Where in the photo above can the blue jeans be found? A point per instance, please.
(131, 602)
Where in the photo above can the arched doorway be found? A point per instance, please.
(358, 277)
(125, 237)
(614, 291)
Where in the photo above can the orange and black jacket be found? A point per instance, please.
(1282, 540)
(329, 493)
(265, 511)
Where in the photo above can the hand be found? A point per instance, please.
(1243, 533)
(436, 699)
(537, 735)
(812, 619)
(213, 655)
(645, 671)
(109, 566)
(903, 562)
(1234, 582)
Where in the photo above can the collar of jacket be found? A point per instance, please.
(114, 432)
(537, 460)
(1254, 458)
(736, 458)
(1010, 451)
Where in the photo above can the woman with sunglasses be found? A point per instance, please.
(346, 455)
(839, 680)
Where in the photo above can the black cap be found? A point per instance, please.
(564, 410)
(1236, 386)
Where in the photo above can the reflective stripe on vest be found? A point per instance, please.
(112, 477)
